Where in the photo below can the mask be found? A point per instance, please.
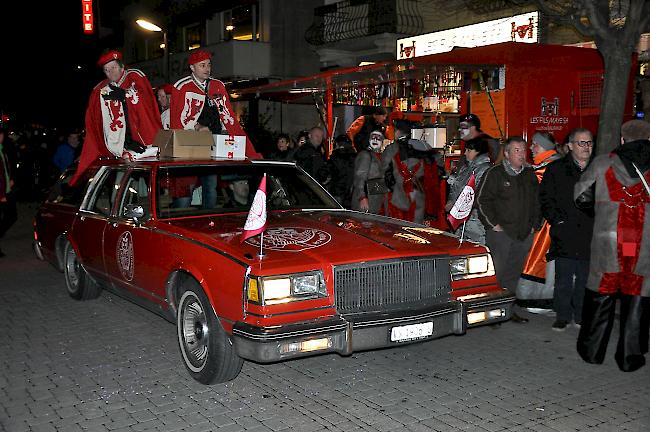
(376, 142)
(464, 133)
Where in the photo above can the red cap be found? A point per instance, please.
(109, 57)
(167, 88)
(198, 56)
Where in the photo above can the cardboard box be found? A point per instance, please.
(229, 147)
(181, 143)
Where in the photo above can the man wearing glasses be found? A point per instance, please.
(619, 267)
(571, 228)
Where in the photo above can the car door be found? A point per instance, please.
(130, 242)
(94, 214)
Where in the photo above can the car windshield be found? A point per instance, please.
(211, 189)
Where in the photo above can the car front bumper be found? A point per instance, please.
(347, 334)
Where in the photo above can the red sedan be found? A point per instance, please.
(166, 234)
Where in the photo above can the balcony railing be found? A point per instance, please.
(350, 19)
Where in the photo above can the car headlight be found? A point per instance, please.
(268, 290)
(471, 267)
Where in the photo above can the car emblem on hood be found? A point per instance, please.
(291, 239)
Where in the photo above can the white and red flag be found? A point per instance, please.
(256, 220)
(462, 208)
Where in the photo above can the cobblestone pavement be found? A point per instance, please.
(109, 365)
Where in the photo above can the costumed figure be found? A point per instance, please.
(367, 166)
(469, 128)
(200, 102)
(122, 118)
(412, 173)
(617, 185)
(477, 162)
(535, 290)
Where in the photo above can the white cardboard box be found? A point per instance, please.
(229, 146)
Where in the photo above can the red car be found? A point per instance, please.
(167, 235)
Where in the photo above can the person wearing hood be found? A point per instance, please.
(534, 290)
(413, 175)
(616, 185)
(478, 162)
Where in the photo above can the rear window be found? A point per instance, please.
(63, 193)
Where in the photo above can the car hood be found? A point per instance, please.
(312, 238)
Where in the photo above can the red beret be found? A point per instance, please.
(109, 57)
(167, 88)
(198, 56)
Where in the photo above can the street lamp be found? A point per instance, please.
(149, 26)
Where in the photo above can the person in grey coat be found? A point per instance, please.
(477, 155)
(367, 165)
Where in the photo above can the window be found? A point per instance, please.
(63, 193)
(193, 36)
(136, 193)
(105, 194)
(242, 22)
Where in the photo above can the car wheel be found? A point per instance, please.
(80, 285)
(207, 351)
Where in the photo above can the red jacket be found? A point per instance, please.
(188, 98)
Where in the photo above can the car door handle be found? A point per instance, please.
(114, 224)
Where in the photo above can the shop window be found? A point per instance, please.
(242, 22)
(193, 36)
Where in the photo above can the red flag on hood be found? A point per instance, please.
(256, 220)
(462, 208)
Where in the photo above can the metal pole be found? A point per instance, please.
(166, 55)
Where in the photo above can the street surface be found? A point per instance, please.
(109, 365)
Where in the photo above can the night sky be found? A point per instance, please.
(42, 45)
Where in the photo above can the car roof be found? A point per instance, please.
(167, 161)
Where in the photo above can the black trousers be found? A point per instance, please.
(597, 322)
(8, 214)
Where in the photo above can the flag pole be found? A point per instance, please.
(462, 233)
(261, 254)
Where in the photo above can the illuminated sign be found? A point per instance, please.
(518, 28)
(87, 16)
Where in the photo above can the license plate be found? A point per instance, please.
(411, 332)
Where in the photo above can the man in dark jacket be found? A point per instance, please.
(508, 207)
(310, 157)
(571, 228)
(341, 170)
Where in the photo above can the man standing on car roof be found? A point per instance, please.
(122, 116)
(200, 102)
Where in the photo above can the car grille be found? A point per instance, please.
(390, 285)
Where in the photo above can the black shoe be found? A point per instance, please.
(518, 319)
(559, 325)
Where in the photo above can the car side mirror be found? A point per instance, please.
(133, 211)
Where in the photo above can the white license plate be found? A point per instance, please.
(411, 332)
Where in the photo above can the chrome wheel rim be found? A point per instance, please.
(72, 271)
(194, 331)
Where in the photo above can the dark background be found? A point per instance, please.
(42, 45)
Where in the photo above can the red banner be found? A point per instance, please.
(87, 16)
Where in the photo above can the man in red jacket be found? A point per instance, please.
(122, 117)
(200, 102)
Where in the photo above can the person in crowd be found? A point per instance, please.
(413, 176)
(66, 152)
(302, 138)
(122, 116)
(164, 95)
(570, 228)
(309, 156)
(341, 170)
(8, 212)
(477, 162)
(240, 196)
(367, 165)
(284, 149)
(469, 128)
(359, 130)
(616, 184)
(534, 291)
(508, 207)
(200, 102)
